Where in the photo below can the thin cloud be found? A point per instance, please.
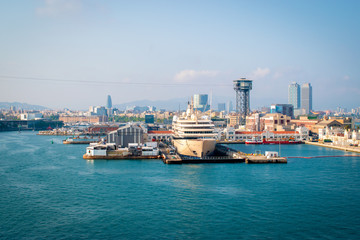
(260, 73)
(189, 75)
(59, 7)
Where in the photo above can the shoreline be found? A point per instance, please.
(346, 149)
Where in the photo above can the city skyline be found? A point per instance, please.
(161, 50)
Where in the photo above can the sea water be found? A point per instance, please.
(48, 191)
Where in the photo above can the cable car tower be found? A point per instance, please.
(242, 88)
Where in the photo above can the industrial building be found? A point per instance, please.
(127, 134)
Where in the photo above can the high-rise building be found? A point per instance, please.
(229, 106)
(294, 95)
(221, 107)
(286, 109)
(201, 102)
(306, 97)
(109, 102)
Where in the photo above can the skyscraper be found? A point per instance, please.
(221, 107)
(306, 97)
(294, 95)
(201, 102)
(109, 102)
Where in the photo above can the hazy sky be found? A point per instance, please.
(177, 48)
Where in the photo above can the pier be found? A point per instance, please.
(223, 154)
(264, 159)
(118, 157)
(329, 145)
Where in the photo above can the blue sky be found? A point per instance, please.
(110, 47)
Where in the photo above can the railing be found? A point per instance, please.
(206, 158)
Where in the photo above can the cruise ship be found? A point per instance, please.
(193, 134)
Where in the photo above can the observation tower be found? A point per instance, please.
(242, 88)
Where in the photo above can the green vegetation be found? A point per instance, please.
(165, 120)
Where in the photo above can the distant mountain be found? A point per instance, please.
(170, 104)
(18, 105)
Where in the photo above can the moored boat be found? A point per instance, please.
(79, 140)
(194, 135)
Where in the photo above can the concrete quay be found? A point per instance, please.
(225, 155)
(118, 157)
(263, 159)
(328, 145)
(231, 142)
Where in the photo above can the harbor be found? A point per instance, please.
(131, 183)
(165, 152)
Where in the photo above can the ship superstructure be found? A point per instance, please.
(194, 134)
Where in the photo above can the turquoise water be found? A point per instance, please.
(47, 191)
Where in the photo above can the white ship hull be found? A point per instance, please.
(195, 147)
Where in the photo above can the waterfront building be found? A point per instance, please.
(125, 135)
(294, 95)
(339, 136)
(102, 129)
(31, 116)
(201, 102)
(90, 119)
(253, 122)
(304, 121)
(331, 123)
(233, 118)
(299, 134)
(271, 122)
(306, 97)
(159, 135)
(277, 122)
(286, 109)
